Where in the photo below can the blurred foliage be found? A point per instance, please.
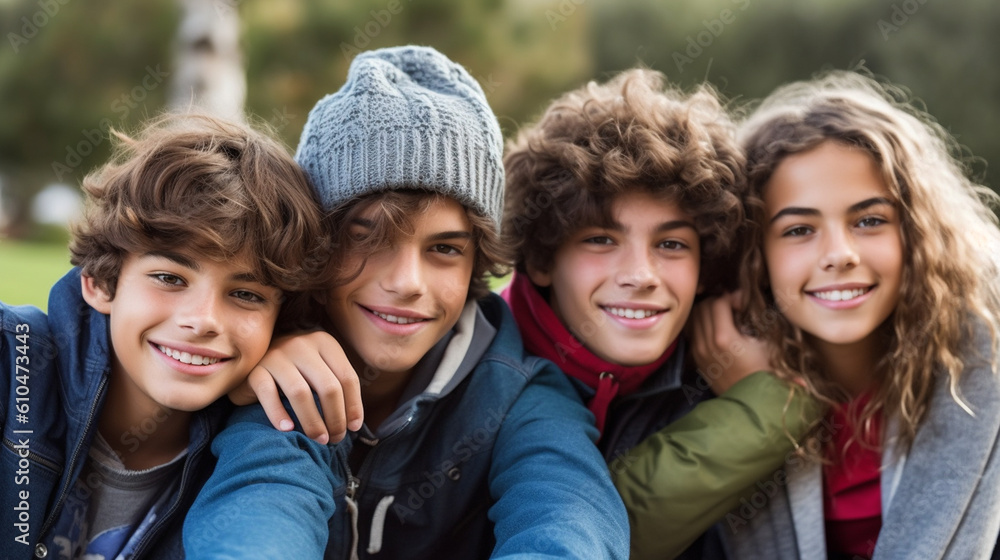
(69, 69)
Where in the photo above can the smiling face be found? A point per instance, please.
(626, 291)
(407, 296)
(184, 330)
(833, 243)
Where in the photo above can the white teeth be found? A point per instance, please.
(186, 358)
(631, 313)
(397, 320)
(841, 295)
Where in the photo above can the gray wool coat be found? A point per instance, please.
(940, 500)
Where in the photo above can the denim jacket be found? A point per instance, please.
(57, 371)
(496, 460)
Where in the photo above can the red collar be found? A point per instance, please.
(545, 335)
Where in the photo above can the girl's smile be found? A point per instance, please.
(833, 243)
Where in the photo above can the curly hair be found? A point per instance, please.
(950, 238)
(394, 218)
(631, 133)
(206, 185)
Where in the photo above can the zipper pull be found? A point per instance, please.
(352, 486)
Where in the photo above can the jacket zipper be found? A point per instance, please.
(33, 456)
(354, 482)
(64, 491)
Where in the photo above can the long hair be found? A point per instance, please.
(951, 242)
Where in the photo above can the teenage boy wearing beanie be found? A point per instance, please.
(471, 449)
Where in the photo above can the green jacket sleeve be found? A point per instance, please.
(684, 478)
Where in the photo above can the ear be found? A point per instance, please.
(539, 277)
(94, 295)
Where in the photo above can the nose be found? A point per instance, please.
(839, 251)
(636, 270)
(201, 314)
(404, 275)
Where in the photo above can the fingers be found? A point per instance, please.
(702, 332)
(307, 367)
(340, 395)
(723, 325)
(738, 299)
(260, 387)
(297, 381)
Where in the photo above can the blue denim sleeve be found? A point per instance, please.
(552, 490)
(271, 494)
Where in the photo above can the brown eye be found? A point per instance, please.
(168, 279)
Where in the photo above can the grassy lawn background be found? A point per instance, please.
(29, 269)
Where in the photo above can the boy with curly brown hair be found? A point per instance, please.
(623, 204)
(198, 237)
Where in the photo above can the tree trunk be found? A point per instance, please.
(209, 73)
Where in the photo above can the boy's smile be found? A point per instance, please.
(627, 290)
(408, 296)
(185, 330)
(833, 244)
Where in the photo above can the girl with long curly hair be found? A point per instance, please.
(872, 276)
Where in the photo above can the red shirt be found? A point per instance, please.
(852, 496)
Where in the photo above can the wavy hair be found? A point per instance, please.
(217, 188)
(632, 133)
(951, 242)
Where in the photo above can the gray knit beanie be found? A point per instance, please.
(407, 117)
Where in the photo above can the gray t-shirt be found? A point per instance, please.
(110, 507)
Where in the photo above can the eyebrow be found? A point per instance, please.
(665, 226)
(856, 207)
(450, 235)
(177, 258)
(187, 262)
(440, 236)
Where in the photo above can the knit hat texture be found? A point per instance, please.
(407, 117)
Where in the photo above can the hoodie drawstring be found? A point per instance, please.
(378, 524)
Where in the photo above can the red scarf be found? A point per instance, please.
(545, 336)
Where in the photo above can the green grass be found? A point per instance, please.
(29, 269)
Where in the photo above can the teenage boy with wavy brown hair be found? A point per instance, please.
(197, 235)
(623, 204)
